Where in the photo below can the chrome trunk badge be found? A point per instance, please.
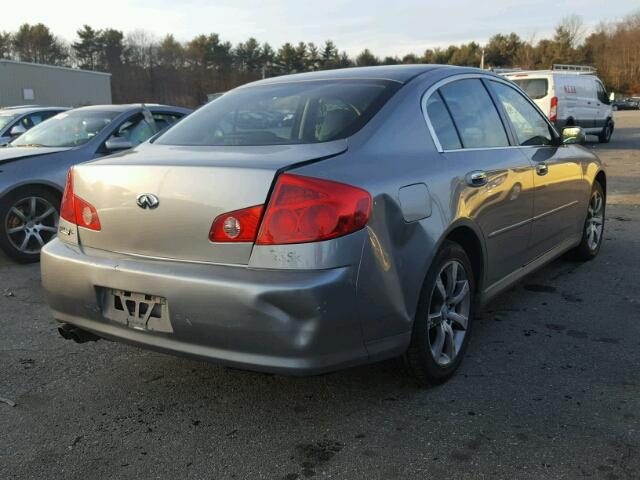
(147, 200)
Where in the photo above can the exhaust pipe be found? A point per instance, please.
(70, 332)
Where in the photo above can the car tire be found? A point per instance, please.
(605, 134)
(593, 231)
(439, 341)
(19, 219)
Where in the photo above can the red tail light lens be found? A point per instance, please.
(238, 226)
(76, 210)
(67, 208)
(305, 209)
(553, 111)
(86, 215)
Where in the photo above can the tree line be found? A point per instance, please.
(166, 70)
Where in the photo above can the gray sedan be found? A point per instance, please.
(14, 121)
(312, 222)
(33, 167)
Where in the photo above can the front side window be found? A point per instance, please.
(135, 129)
(36, 118)
(68, 129)
(287, 113)
(602, 93)
(474, 114)
(26, 122)
(442, 124)
(530, 127)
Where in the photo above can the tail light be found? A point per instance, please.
(68, 209)
(301, 210)
(305, 209)
(237, 226)
(553, 111)
(76, 210)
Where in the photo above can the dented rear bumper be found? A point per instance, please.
(280, 321)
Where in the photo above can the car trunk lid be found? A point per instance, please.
(193, 186)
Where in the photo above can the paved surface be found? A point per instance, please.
(550, 389)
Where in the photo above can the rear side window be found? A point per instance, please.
(529, 126)
(536, 88)
(474, 114)
(286, 113)
(442, 124)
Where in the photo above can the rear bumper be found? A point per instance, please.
(280, 321)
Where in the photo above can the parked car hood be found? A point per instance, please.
(11, 154)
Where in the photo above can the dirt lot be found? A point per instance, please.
(550, 388)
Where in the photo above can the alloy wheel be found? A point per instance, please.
(448, 315)
(30, 223)
(595, 221)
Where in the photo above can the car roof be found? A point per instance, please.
(545, 73)
(396, 73)
(121, 108)
(21, 110)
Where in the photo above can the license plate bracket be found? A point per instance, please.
(139, 311)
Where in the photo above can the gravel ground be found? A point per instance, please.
(550, 388)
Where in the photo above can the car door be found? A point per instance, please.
(494, 185)
(558, 180)
(591, 101)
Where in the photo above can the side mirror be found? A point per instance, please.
(573, 135)
(17, 130)
(117, 143)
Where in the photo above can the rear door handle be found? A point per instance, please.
(542, 169)
(477, 178)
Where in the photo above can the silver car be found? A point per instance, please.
(312, 222)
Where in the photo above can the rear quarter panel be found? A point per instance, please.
(395, 150)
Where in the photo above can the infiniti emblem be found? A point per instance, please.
(147, 200)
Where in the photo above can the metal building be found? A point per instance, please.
(23, 83)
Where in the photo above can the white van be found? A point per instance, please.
(570, 96)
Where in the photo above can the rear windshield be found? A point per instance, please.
(289, 113)
(534, 87)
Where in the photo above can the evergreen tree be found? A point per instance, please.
(87, 49)
(366, 58)
(36, 43)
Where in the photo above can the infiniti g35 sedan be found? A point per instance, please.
(312, 222)
(33, 168)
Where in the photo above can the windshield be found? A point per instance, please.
(301, 112)
(5, 120)
(534, 87)
(68, 129)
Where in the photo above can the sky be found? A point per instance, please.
(386, 27)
